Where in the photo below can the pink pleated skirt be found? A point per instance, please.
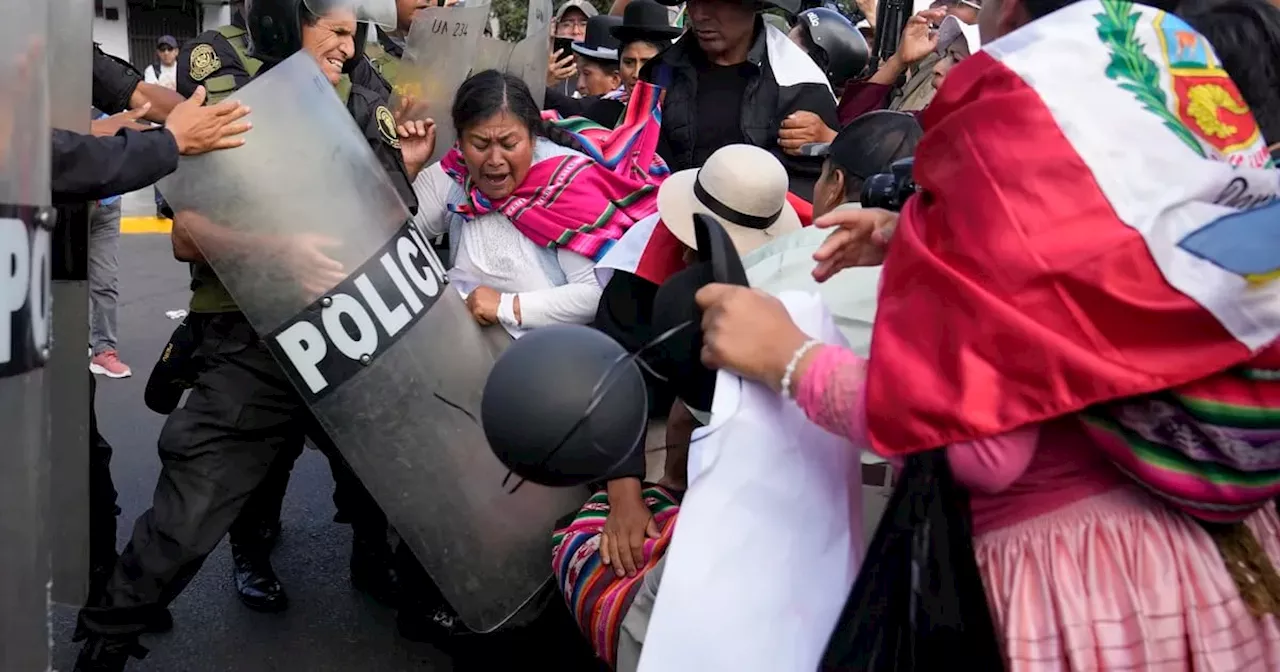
(1121, 582)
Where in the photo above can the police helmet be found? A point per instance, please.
(275, 26)
(834, 44)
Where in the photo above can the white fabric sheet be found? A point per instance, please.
(770, 533)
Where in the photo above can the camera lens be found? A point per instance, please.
(880, 191)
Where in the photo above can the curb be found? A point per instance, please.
(145, 225)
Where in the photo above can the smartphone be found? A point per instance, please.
(564, 45)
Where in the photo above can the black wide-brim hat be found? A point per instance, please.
(599, 42)
(645, 20)
(565, 405)
(679, 357)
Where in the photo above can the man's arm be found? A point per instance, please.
(567, 106)
(87, 168)
(162, 100)
(806, 97)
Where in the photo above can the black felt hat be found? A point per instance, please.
(565, 405)
(679, 358)
(598, 41)
(645, 20)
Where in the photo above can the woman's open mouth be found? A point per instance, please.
(494, 179)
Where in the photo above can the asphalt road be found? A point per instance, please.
(329, 626)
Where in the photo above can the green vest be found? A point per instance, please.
(387, 65)
(208, 295)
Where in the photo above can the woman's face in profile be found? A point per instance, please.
(956, 52)
(498, 151)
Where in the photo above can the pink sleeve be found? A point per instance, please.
(831, 392)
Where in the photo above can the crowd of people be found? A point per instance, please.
(1109, 410)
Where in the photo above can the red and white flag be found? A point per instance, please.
(1069, 248)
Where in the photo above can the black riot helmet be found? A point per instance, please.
(275, 26)
(833, 43)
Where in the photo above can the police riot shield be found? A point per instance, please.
(437, 58)
(526, 59)
(305, 230)
(70, 89)
(25, 223)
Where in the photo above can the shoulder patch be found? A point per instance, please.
(204, 62)
(387, 126)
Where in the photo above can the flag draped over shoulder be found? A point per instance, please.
(1083, 233)
(583, 203)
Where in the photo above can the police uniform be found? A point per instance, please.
(242, 418)
(384, 55)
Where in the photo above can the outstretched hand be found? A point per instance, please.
(198, 129)
(860, 238)
(111, 125)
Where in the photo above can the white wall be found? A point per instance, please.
(113, 35)
(216, 15)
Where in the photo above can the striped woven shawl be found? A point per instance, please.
(582, 203)
(1210, 448)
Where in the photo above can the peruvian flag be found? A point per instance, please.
(1095, 196)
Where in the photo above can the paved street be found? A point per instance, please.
(329, 626)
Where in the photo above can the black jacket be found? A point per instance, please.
(86, 168)
(784, 80)
(114, 82)
(607, 113)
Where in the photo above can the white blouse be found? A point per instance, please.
(554, 287)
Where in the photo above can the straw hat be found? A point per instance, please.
(743, 187)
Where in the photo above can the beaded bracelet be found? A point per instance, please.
(790, 371)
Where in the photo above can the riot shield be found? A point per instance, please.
(526, 59)
(70, 90)
(24, 338)
(437, 58)
(387, 358)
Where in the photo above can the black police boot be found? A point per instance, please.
(256, 581)
(103, 654)
(373, 569)
(269, 535)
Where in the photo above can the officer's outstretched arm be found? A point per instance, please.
(162, 101)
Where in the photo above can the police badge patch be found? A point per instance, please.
(387, 125)
(204, 62)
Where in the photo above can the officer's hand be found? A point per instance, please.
(483, 304)
(801, 128)
(199, 129)
(304, 258)
(561, 67)
(417, 142)
(860, 238)
(127, 119)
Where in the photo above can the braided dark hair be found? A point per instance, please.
(489, 92)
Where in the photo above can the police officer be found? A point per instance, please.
(242, 413)
(86, 168)
(220, 61)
